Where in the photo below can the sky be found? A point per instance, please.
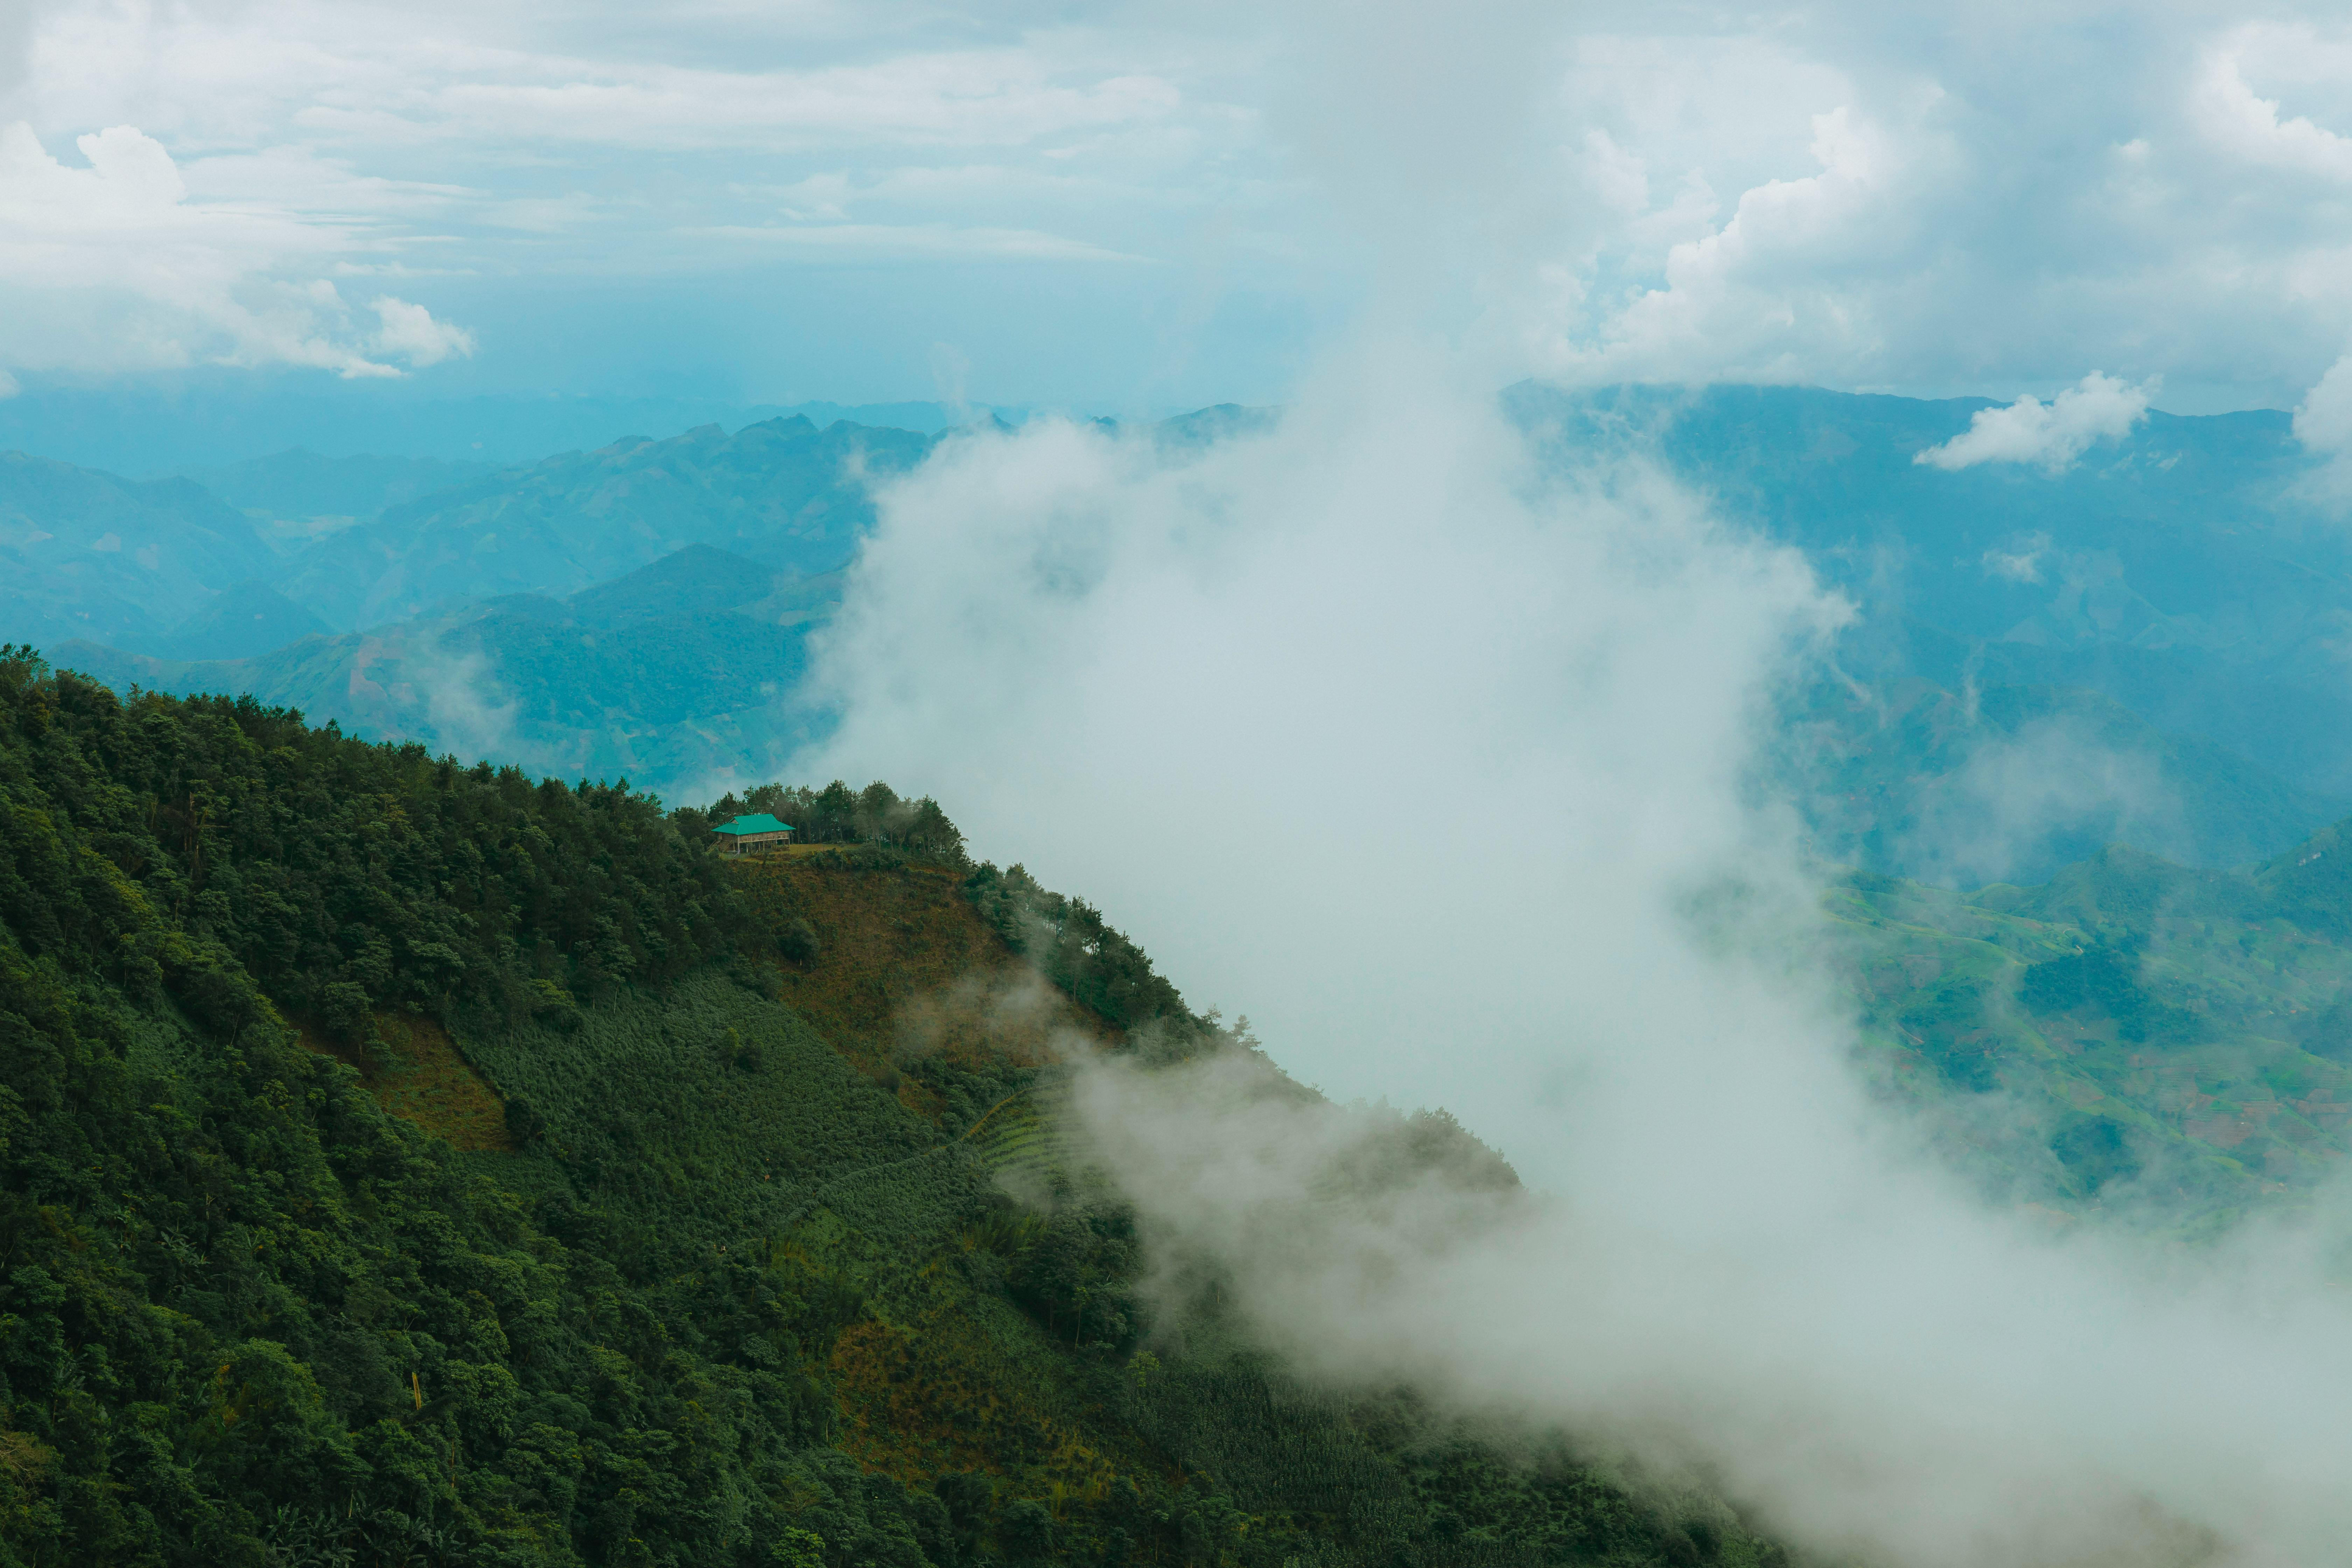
(1131, 208)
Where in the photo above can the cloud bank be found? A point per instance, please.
(112, 267)
(1744, 1280)
(1849, 195)
(2322, 422)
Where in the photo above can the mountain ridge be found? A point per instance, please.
(782, 492)
(681, 671)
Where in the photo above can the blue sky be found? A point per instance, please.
(1131, 208)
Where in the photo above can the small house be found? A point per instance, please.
(745, 834)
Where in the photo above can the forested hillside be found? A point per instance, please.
(403, 1162)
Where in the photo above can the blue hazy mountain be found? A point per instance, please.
(89, 554)
(247, 619)
(302, 484)
(2185, 570)
(781, 493)
(2010, 783)
(682, 671)
(211, 418)
(141, 566)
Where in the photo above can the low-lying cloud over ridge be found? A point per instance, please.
(1440, 771)
(1444, 770)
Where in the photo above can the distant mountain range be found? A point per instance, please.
(89, 554)
(2186, 570)
(783, 493)
(344, 544)
(204, 420)
(296, 485)
(2140, 648)
(679, 673)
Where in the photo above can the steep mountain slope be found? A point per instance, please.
(724, 1279)
(91, 555)
(245, 620)
(783, 493)
(679, 672)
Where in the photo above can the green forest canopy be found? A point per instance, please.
(723, 1295)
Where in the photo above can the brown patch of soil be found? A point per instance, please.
(906, 967)
(919, 1404)
(416, 1071)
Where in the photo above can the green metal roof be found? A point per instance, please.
(762, 823)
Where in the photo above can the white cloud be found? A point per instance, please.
(2249, 126)
(114, 268)
(904, 242)
(974, 98)
(2324, 420)
(2022, 564)
(410, 332)
(2052, 435)
(1827, 198)
(303, 180)
(1750, 299)
(2169, 205)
